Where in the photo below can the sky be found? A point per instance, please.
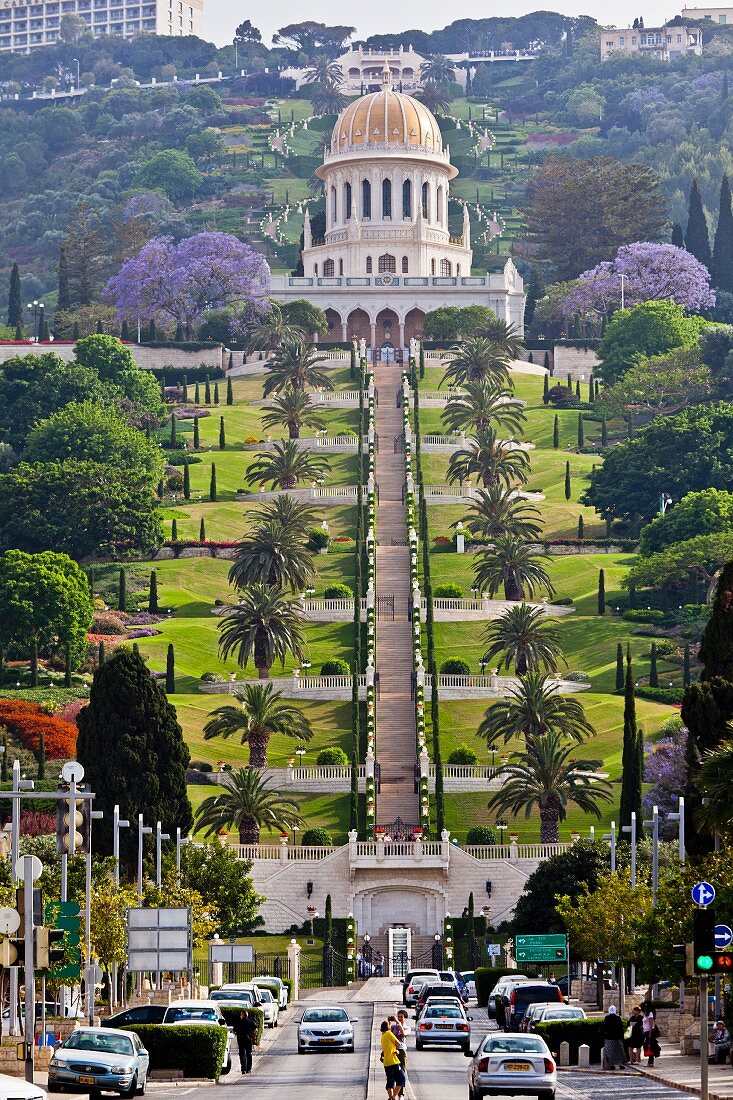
(384, 16)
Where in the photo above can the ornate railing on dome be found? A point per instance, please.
(387, 147)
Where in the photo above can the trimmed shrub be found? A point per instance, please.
(107, 623)
(197, 1049)
(232, 1014)
(455, 666)
(318, 539)
(449, 591)
(665, 648)
(643, 615)
(575, 1033)
(333, 755)
(336, 667)
(562, 398)
(338, 592)
(481, 834)
(463, 755)
(669, 696)
(316, 838)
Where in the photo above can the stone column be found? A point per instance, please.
(373, 333)
(283, 849)
(294, 969)
(344, 331)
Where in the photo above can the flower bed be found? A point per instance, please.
(27, 721)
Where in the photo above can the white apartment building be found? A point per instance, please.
(666, 43)
(26, 26)
(722, 16)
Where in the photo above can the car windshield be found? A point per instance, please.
(450, 1011)
(324, 1016)
(233, 995)
(100, 1044)
(207, 1014)
(563, 1014)
(266, 995)
(522, 1044)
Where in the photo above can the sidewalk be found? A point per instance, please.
(683, 1072)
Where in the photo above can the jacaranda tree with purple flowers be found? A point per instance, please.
(651, 272)
(665, 767)
(177, 283)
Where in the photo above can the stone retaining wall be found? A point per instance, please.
(145, 357)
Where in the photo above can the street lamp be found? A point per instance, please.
(612, 837)
(75, 61)
(160, 836)
(37, 308)
(653, 824)
(664, 502)
(300, 753)
(631, 830)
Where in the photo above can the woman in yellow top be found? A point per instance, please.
(396, 1080)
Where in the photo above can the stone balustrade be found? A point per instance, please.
(296, 686)
(325, 494)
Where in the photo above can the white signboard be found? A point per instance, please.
(159, 939)
(231, 953)
(493, 949)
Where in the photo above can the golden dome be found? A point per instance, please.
(386, 117)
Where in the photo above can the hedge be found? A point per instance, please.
(231, 1014)
(197, 1049)
(174, 375)
(575, 1033)
(669, 696)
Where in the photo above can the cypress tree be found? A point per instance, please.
(570, 382)
(125, 331)
(529, 357)
(64, 297)
(174, 436)
(723, 248)
(630, 761)
(101, 655)
(230, 364)
(686, 676)
(547, 361)
(174, 530)
(697, 240)
(328, 920)
(577, 389)
(132, 749)
(196, 433)
(556, 432)
(422, 359)
(186, 482)
(222, 436)
(100, 327)
(546, 389)
(653, 674)
(202, 530)
(581, 432)
(197, 394)
(619, 667)
(162, 388)
(152, 333)
(471, 931)
(716, 647)
(2, 666)
(75, 332)
(216, 393)
(230, 392)
(91, 580)
(581, 528)
(678, 237)
(170, 670)
(601, 592)
(184, 388)
(18, 332)
(354, 796)
(535, 291)
(153, 607)
(42, 756)
(207, 391)
(45, 332)
(604, 432)
(212, 483)
(632, 596)
(567, 481)
(161, 489)
(122, 591)
(15, 305)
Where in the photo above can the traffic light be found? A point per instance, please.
(703, 939)
(77, 810)
(50, 949)
(722, 962)
(682, 958)
(12, 951)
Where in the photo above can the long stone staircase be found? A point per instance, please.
(395, 707)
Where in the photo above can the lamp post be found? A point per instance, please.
(75, 61)
(142, 832)
(612, 838)
(37, 307)
(653, 825)
(180, 841)
(160, 836)
(300, 753)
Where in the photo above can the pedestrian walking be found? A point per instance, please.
(379, 965)
(614, 1054)
(634, 1035)
(651, 1035)
(245, 1028)
(392, 1062)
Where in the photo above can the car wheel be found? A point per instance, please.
(548, 1094)
(128, 1094)
(227, 1068)
(349, 1050)
(142, 1088)
(53, 1087)
(301, 1050)
(418, 1045)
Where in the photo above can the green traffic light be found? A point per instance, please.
(704, 962)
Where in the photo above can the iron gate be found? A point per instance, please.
(334, 967)
(385, 608)
(275, 965)
(399, 964)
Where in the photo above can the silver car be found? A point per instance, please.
(326, 1027)
(270, 1008)
(97, 1059)
(443, 1023)
(511, 1065)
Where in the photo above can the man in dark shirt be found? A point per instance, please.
(245, 1028)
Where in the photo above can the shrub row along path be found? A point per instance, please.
(395, 741)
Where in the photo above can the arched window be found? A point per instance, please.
(439, 214)
(334, 206)
(387, 263)
(341, 267)
(386, 198)
(432, 267)
(407, 199)
(328, 269)
(405, 265)
(426, 201)
(347, 201)
(368, 265)
(445, 267)
(366, 199)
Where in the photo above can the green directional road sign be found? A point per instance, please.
(63, 914)
(541, 949)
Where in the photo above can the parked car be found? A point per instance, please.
(141, 1014)
(241, 987)
(469, 979)
(501, 989)
(520, 997)
(510, 1065)
(326, 1027)
(412, 981)
(556, 1012)
(95, 1059)
(237, 998)
(12, 1088)
(269, 1007)
(437, 989)
(264, 981)
(533, 1010)
(443, 1023)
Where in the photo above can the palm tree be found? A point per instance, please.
(260, 715)
(249, 803)
(534, 708)
(270, 331)
(514, 563)
(292, 515)
(504, 336)
(481, 404)
(265, 625)
(546, 776)
(493, 460)
(435, 96)
(274, 555)
(525, 637)
(496, 511)
(327, 99)
(714, 782)
(324, 71)
(285, 465)
(295, 410)
(295, 364)
(439, 68)
(478, 359)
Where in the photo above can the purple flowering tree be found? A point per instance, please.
(651, 272)
(177, 283)
(665, 767)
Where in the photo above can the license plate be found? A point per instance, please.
(518, 1067)
(328, 1040)
(87, 1081)
(443, 1027)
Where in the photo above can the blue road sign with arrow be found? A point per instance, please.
(723, 936)
(703, 893)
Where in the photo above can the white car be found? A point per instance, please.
(512, 1065)
(13, 1088)
(277, 985)
(326, 1027)
(235, 988)
(270, 1008)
